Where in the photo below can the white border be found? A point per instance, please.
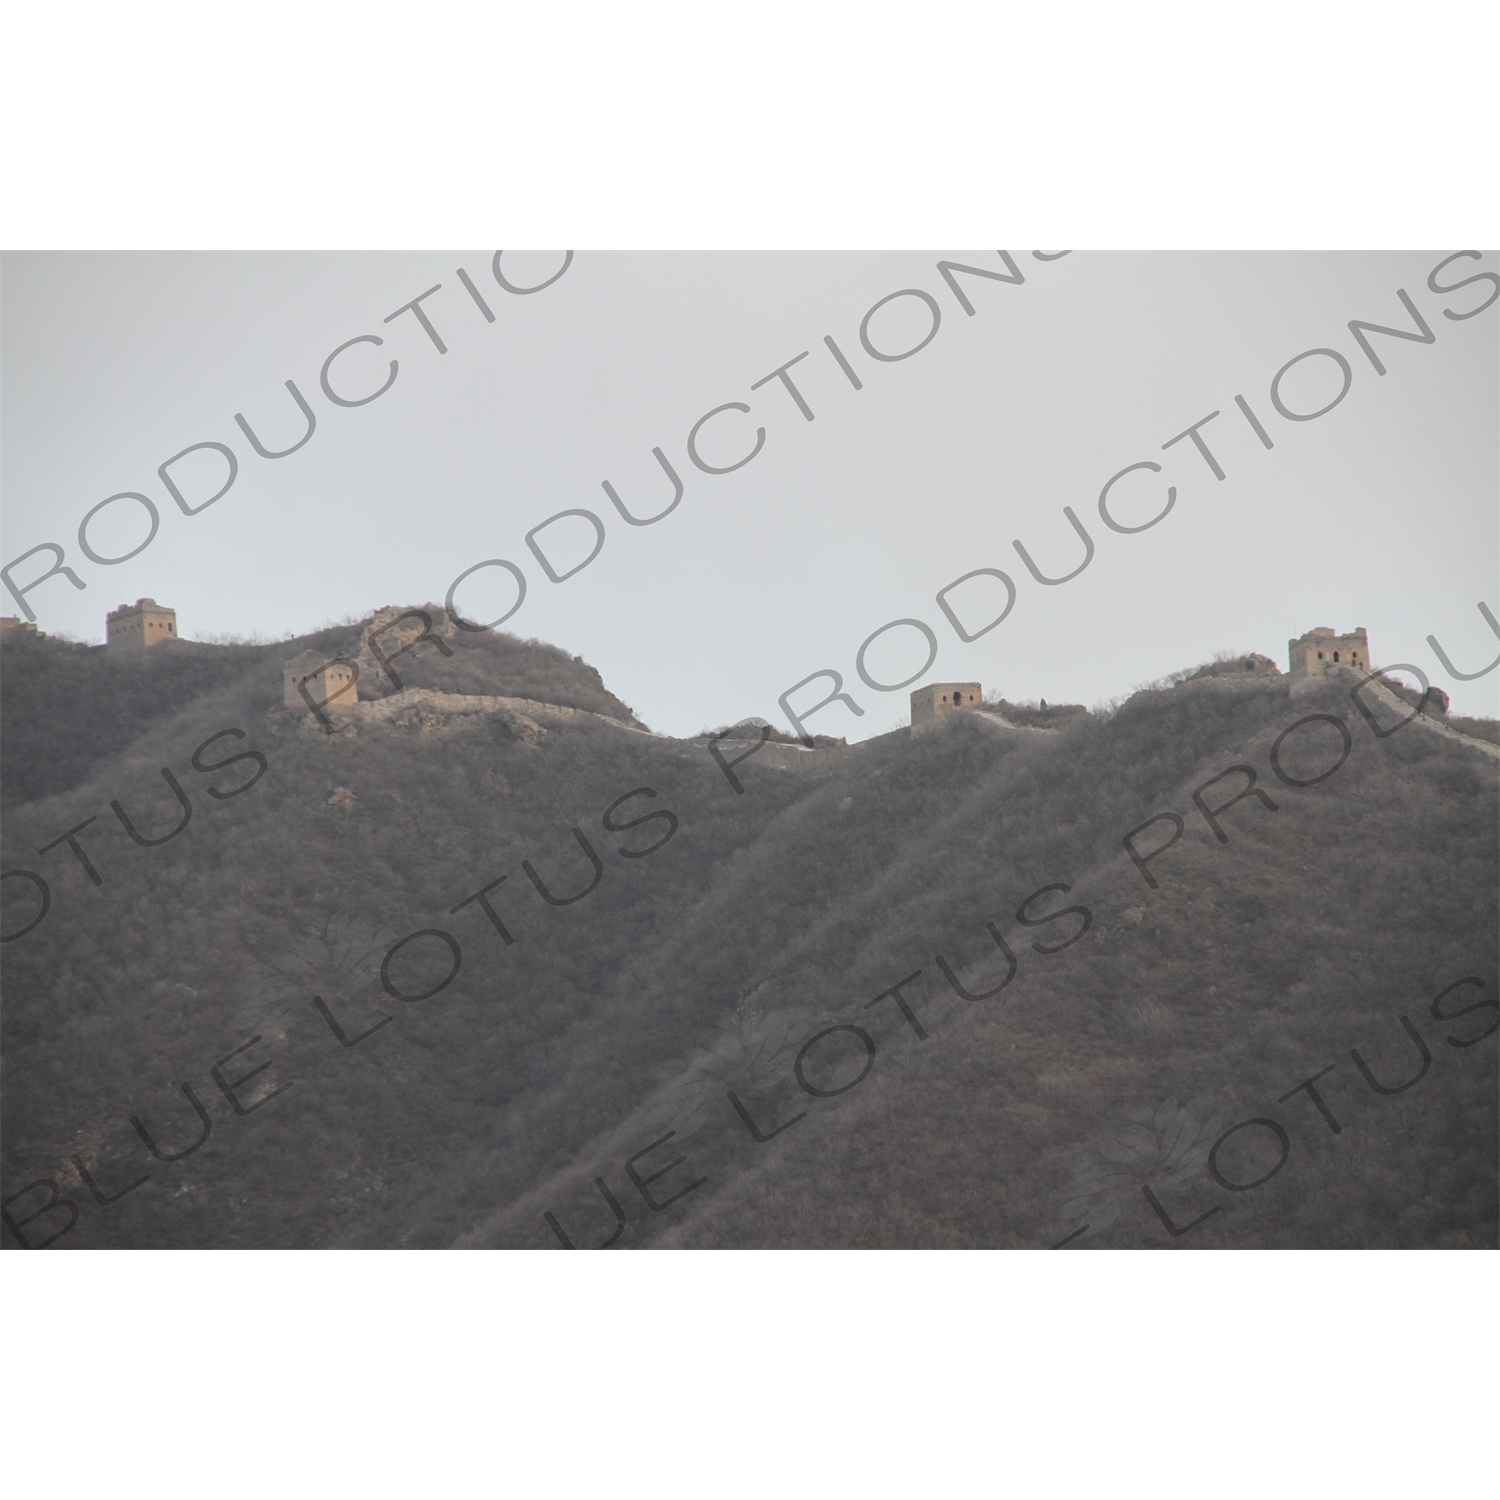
(779, 125)
(1292, 123)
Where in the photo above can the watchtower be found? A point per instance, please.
(1320, 651)
(330, 684)
(134, 629)
(931, 704)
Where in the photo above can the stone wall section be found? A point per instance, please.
(1374, 691)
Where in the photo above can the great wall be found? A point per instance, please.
(322, 695)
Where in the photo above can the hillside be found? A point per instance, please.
(655, 938)
(66, 709)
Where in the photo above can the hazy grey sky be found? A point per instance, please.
(1381, 513)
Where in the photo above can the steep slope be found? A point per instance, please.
(1310, 932)
(277, 888)
(646, 968)
(66, 709)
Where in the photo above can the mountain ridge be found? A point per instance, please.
(584, 1017)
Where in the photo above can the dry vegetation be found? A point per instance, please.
(703, 965)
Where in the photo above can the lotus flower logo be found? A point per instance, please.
(1156, 1147)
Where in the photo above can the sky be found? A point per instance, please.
(1379, 513)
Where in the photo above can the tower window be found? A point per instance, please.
(1335, 656)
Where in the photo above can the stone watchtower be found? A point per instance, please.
(330, 684)
(1320, 651)
(134, 629)
(933, 703)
